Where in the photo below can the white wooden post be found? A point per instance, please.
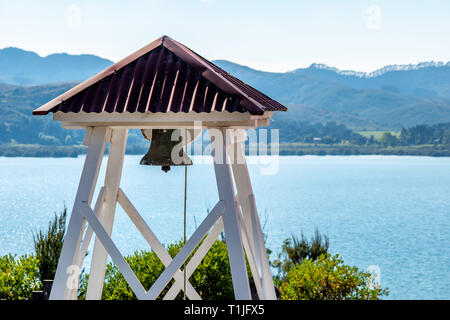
(252, 223)
(65, 284)
(231, 223)
(107, 212)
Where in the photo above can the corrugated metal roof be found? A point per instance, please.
(161, 77)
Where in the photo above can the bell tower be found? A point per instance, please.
(160, 88)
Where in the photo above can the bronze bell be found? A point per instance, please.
(160, 151)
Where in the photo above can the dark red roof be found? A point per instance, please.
(161, 77)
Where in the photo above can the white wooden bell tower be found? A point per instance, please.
(163, 86)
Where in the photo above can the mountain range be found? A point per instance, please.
(388, 99)
(21, 67)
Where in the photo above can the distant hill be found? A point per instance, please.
(17, 125)
(390, 98)
(22, 67)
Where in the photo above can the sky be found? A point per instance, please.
(276, 35)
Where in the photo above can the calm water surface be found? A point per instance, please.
(391, 212)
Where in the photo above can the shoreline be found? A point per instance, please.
(287, 149)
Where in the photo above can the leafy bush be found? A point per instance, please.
(18, 276)
(48, 246)
(327, 278)
(294, 251)
(212, 278)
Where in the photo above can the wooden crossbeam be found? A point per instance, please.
(113, 251)
(89, 232)
(247, 246)
(171, 271)
(155, 244)
(198, 256)
(186, 251)
(260, 250)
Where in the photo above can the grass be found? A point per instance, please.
(378, 134)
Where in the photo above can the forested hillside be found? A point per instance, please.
(325, 106)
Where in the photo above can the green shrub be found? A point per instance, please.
(48, 246)
(327, 278)
(212, 278)
(294, 251)
(18, 277)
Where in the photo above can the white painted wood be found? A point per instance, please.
(148, 117)
(237, 162)
(107, 212)
(252, 259)
(87, 135)
(169, 120)
(155, 244)
(252, 223)
(186, 251)
(267, 279)
(230, 219)
(197, 258)
(253, 124)
(115, 254)
(88, 234)
(243, 231)
(67, 260)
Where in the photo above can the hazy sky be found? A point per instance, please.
(267, 35)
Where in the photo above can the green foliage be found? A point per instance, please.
(425, 134)
(388, 140)
(48, 246)
(294, 251)
(327, 278)
(212, 278)
(306, 132)
(18, 277)
(35, 150)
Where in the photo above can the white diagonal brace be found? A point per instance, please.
(267, 279)
(186, 251)
(154, 243)
(251, 257)
(246, 241)
(88, 235)
(114, 252)
(198, 256)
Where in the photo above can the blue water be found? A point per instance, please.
(391, 212)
